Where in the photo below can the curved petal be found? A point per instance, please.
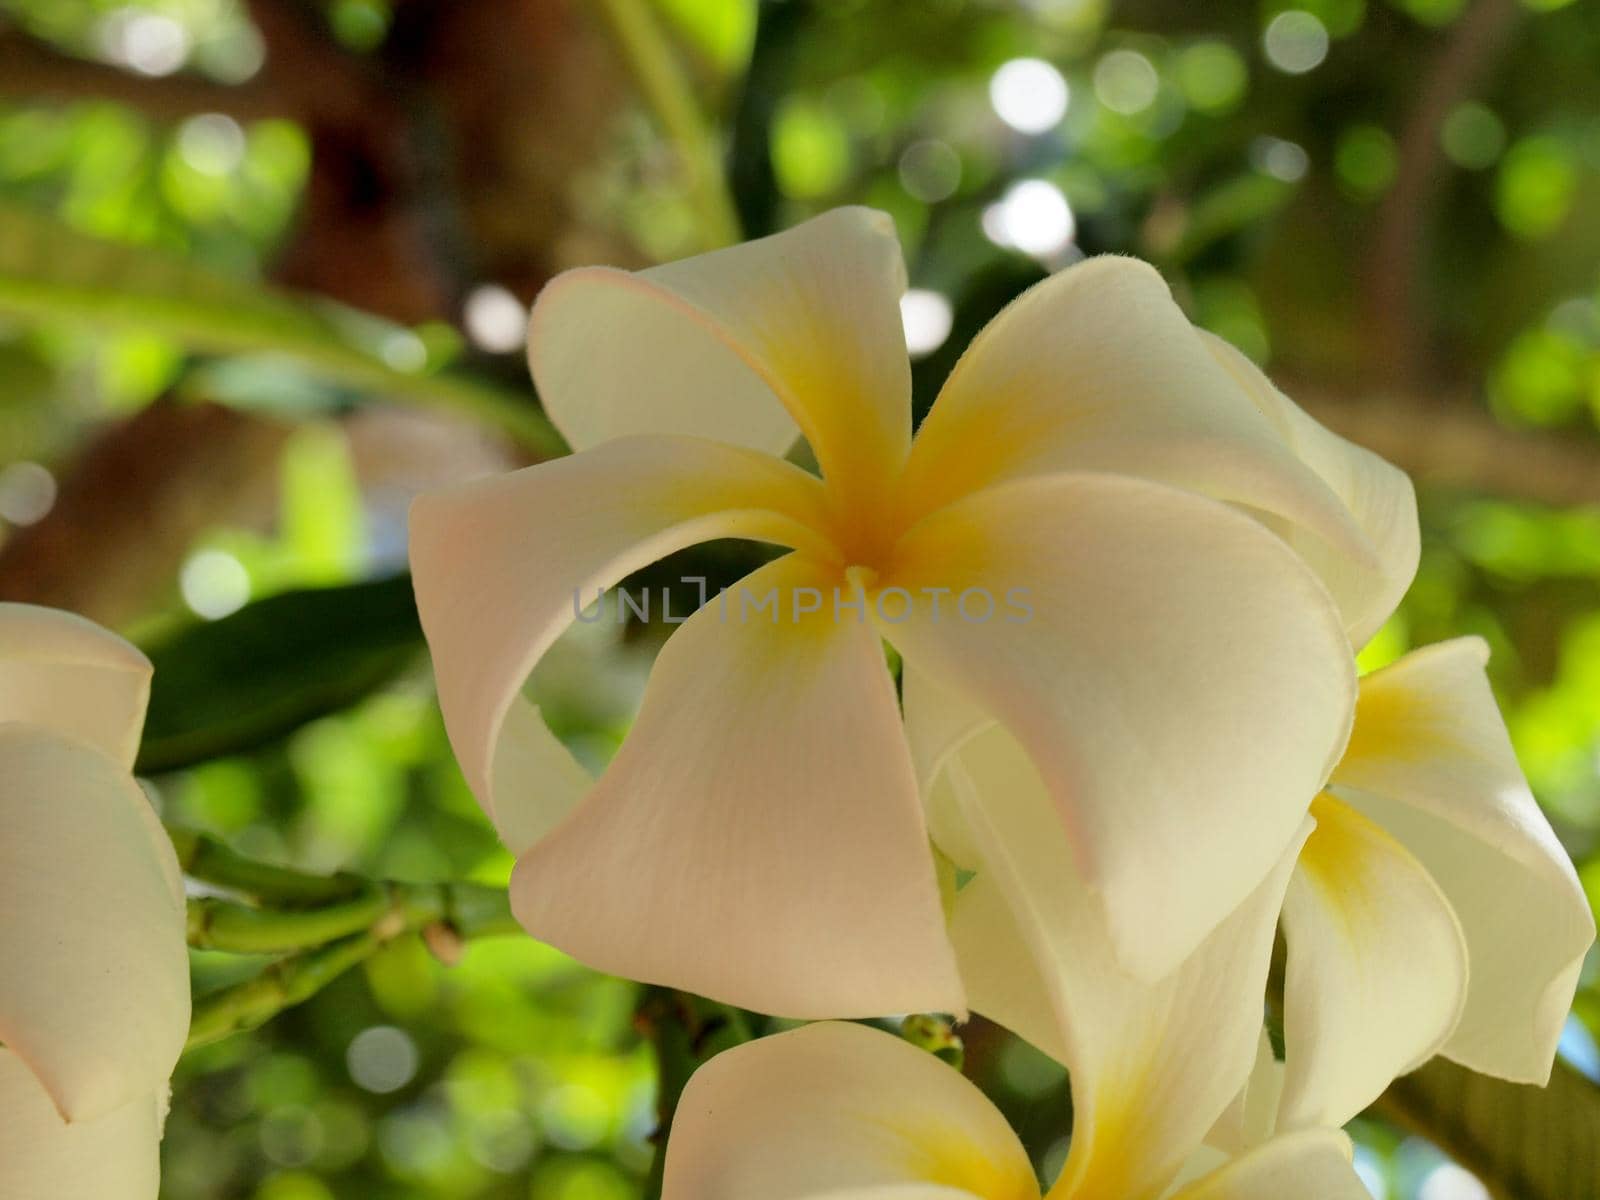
(502, 565)
(63, 672)
(111, 1157)
(1097, 369)
(1153, 1065)
(800, 329)
(1314, 1165)
(1252, 1117)
(1431, 762)
(95, 994)
(835, 1110)
(1178, 674)
(1377, 969)
(1378, 495)
(758, 837)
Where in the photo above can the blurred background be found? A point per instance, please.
(264, 274)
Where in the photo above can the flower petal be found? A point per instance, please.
(1252, 1117)
(95, 994)
(839, 1111)
(111, 1157)
(1431, 762)
(501, 566)
(1097, 369)
(1182, 681)
(1378, 495)
(1153, 1065)
(801, 329)
(1377, 969)
(758, 837)
(1314, 1165)
(62, 672)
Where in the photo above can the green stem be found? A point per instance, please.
(210, 861)
(665, 88)
(284, 984)
(324, 924)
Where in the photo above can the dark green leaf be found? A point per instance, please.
(235, 684)
(1524, 1143)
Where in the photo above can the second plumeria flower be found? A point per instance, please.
(1181, 676)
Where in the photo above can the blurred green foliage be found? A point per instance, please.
(1321, 184)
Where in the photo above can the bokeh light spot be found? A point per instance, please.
(927, 317)
(1450, 1182)
(1473, 136)
(495, 319)
(1033, 217)
(27, 493)
(930, 170)
(1126, 82)
(1295, 41)
(382, 1059)
(214, 583)
(1029, 95)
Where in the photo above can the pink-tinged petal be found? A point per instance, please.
(1314, 1165)
(502, 565)
(1378, 495)
(1097, 369)
(111, 1157)
(800, 330)
(1431, 762)
(1180, 677)
(1153, 1064)
(758, 837)
(60, 671)
(95, 994)
(839, 1112)
(1377, 969)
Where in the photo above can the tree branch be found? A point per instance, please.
(33, 70)
(1398, 247)
(1456, 443)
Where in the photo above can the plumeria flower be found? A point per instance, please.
(1432, 910)
(1119, 514)
(94, 999)
(843, 1112)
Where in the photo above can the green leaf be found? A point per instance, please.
(235, 684)
(1524, 1143)
(50, 272)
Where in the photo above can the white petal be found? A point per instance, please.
(62, 672)
(745, 345)
(501, 566)
(95, 994)
(839, 1111)
(1097, 369)
(111, 1157)
(1252, 1117)
(1307, 1166)
(1430, 761)
(758, 837)
(1377, 969)
(1182, 681)
(1378, 494)
(1153, 1065)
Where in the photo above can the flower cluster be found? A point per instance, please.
(94, 1001)
(1121, 744)
(1168, 760)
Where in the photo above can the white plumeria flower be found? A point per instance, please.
(843, 1112)
(1431, 911)
(94, 998)
(1184, 680)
